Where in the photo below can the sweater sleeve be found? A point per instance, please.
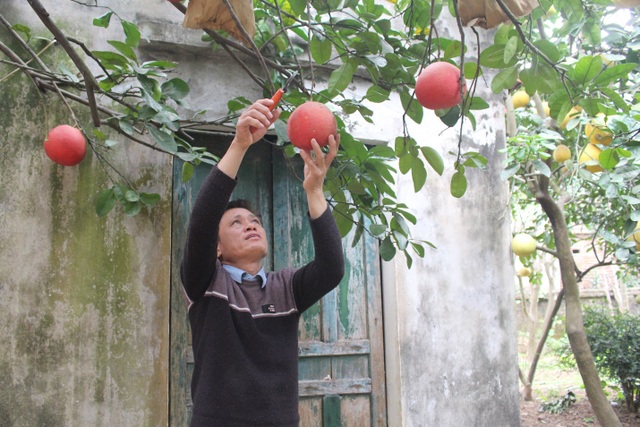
(324, 273)
(200, 250)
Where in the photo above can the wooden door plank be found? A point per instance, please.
(338, 348)
(330, 386)
(310, 410)
(375, 324)
(356, 411)
(331, 410)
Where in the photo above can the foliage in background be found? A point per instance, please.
(615, 343)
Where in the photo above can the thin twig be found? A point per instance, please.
(22, 43)
(19, 62)
(90, 82)
(249, 39)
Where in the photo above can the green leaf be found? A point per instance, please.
(149, 198)
(124, 49)
(493, 57)
(298, 6)
(510, 49)
(342, 77)
(418, 174)
(132, 208)
(418, 249)
(478, 103)
(321, 49)
(401, 239)
(434, 159)
(132, 33)
(131, 196)
(413, 108)
(616, 98)
(613, 73)
(451, 116)
(111, 60)
(458, 184)
(358, 233)
(103, 20)
(187, 171)
(470, 69)
(609, 158)
(586, 69)
(105, 201)
(549, 50)
(343, 220)
(164, 140)
(387, 249)
(238, 103)
(378, 229)
(126, 126)
(541, 167)
(505, 79)
(175, 89)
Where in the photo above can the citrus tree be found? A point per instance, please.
(576, 153)
(554, 54)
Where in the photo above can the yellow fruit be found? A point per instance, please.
(545, 105)
(523, 245)
(524, 272)
(573, 113)
(635, 237)
(520, 99)
(590, 156)
(597, 133)
(562, 153)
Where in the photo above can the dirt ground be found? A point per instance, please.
(577, 414)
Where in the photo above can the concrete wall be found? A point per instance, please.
(86, 306)
(456, 357)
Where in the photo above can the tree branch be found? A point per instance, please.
(90, 82)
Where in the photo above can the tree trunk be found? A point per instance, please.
(575, 324)
(548, 322)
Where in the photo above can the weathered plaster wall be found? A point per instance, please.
(456, 327)
(84, 307)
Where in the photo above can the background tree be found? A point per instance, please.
(595, 188)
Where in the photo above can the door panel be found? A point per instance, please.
(341, 364)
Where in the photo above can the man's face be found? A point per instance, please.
(241, 237)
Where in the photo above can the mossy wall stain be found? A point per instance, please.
(83, 319)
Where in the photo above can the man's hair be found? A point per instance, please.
(244, 204)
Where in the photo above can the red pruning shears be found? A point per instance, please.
(278, 95)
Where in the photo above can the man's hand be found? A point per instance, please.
(316, 166)
(252, 126)
(254, 122)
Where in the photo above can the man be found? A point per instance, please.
(244, 321)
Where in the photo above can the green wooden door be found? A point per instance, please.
(341, 364)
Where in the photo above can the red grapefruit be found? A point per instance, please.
(65, 145)
(311, 120)
(438, 86)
